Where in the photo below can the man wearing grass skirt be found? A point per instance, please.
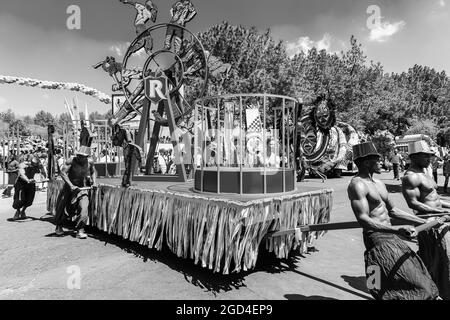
(420, 192)
(78, 173)
(25, 186)
(398, 272)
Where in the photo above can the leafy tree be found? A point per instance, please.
(20, 125)
(258, 63)
(44, 119)
(427, 127)
(28, 120)
(7, 116)
(384, 141)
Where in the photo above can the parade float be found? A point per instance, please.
(234, 189)
(326, 144)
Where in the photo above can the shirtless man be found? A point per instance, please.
(402, 273)
(25, 186)
(145, 14)
(420, 192)
(78, 172)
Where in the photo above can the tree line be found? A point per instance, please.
(366, 97)
(37, 124)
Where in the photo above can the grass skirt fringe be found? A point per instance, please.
(218, 234)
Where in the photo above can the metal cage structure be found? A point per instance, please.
(245, 144)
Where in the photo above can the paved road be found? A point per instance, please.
(35, 265)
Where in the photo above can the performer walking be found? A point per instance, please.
(25, 186)
(131, 151)
(145, 14)
(420, 192)
(402, 273)
(12, 171)
(182, 12)
(78, 172)
(85, 135)
(396, 161)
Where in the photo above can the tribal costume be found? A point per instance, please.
(76, 202)
(434, 246)
(24, 192)
(403, 274)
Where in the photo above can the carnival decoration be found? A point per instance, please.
(182, 12)
(245, 149)
(163, 85)
(254, 156)
(217, 233)
(315, 124)
(51, 85)
(325, 143)
(145, 14)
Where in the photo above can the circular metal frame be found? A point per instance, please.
(147, 33)
(177, 57)
(227, 177)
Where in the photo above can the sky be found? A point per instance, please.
(36, 43)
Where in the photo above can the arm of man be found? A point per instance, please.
(22, 174)
(446, 205)
(396, 213)
(192, 13)
(64, 171)
(357, 193)
(411, 193)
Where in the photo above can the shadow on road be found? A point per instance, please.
(23, 220)
(301, 297)
(358, 283)
(194, 274)
(394, 188)
(269, 263)
(206, 279)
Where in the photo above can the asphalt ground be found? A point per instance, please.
(36, 265)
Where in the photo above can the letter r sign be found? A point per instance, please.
(156, 89)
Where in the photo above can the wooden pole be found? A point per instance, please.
(344, 226)
(181, 169)
(154, 141)
(106, 148)
(18, 140)
(140, 139)
(4, 163)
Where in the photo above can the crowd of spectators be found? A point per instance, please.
(13, 153)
